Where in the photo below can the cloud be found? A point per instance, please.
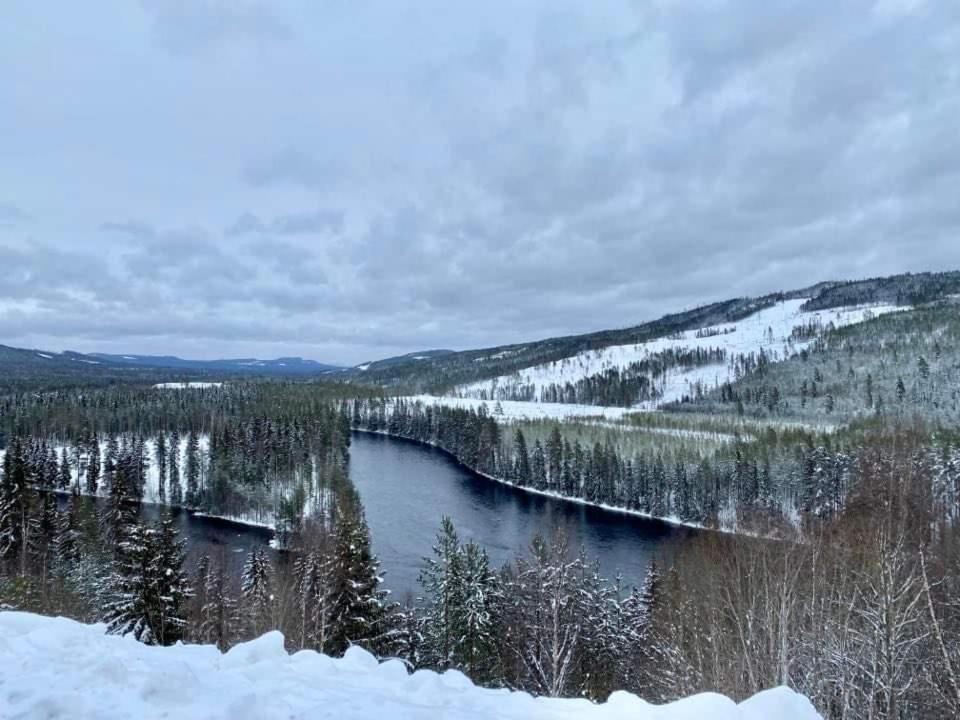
(311, 222)
(290, 167)
(245, 224)
(132, 228)
(463, 175)
(191, 27)
(11, 215)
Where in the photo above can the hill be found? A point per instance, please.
(277, 366)
(449, 372)
(23, 368)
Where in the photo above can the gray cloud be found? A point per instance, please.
(290, 167)
(195, 26)
(385, 179)
(11, 215)
(310, 222)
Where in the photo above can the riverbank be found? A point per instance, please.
(672, 521)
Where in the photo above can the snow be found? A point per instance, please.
(57, 668)
(186, 385)
(768, 329)
(517, 410)
(363, 367)
(45, 356)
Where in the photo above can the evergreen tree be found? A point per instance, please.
(93, 466)
(539, 467)
(358, 613)
(442, 581)
(193, 469)
(63, 471)
(522, 474)
(173, 469)
(256, 589)
(160, 452)
(15, 508)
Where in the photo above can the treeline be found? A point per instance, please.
(73, 414)
(861, 616)
(269, 471)
(763, 485)
(260, 451)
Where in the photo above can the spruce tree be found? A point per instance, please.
(358, 614)
(256, 589)
(193, 470)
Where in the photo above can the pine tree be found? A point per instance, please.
(160, 452)
(93, 466)
(313, 572)
(256, 591)
(441, 579)
(64, 477)
(173, 469)
(476, 615)
(193, 470)
(539, 467)
(358, 614)
(170, 587)
(130, 608)
(521, 473)
(15, 508)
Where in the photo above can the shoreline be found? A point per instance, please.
(673, 522)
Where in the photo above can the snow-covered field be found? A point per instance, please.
(187, 385)
(57, 668)
(769, 329)
(508, 410)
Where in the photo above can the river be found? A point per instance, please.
(407, 488)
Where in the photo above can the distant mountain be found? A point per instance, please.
(22, 368)
(277, 366)
(414, 357)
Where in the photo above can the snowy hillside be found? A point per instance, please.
(57, 668)
(770, 330)
(509, 410)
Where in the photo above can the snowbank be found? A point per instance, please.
(57, 668)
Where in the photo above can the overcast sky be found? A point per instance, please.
(347, 180)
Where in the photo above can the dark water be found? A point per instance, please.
(406, 488)
(227, 542)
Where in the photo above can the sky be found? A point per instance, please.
(353, 179)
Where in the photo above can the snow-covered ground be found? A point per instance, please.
(769, 329)
(508, 410)
(57, 668)
(186, 385)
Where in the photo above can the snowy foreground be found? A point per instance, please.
(58, 668)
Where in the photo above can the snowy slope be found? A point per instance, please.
(56, 668)
(508, 410)
(769, 329)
